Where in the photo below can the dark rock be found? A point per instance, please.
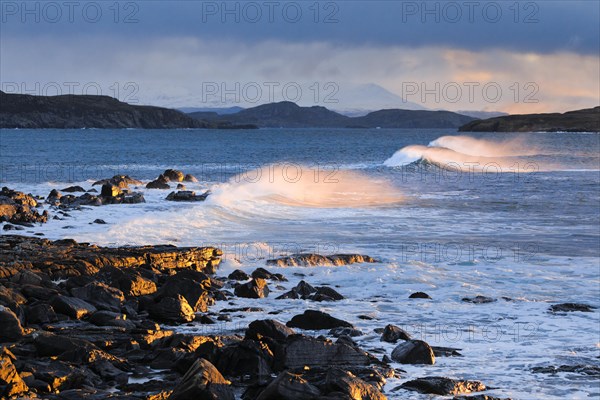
(172, 309)
(351, 332)
(303, 351)
(40, 314)
(159, 183)
(440, 351)
(109, 190)
(326, 293)
(247, 357)
(264, 274)
(238, 275)
(72, 307)
(73, 189)
(315, 320)
(19, 208)
(120, 181)
(303, 260)
(268, 328)
(340, 381)
(304, 289)
(479, 299)
(100, 295)
(392, 333)
(181, 186)
(443, 386)
(173, 175)
(592, 370)
(190, 178)
(11, 383)
(479, 397)
(109, 318)
(255, 289)
(134, 285)
(187, 195)
(570, 307)
(192, 285)
(289, 386)
(99, 221)
(419, 295)
(414, 352)
(203, 382)
(10, 326)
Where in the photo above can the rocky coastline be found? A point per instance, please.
(82, 321)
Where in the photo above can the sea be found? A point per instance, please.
(510, 216)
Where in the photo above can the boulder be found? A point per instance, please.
(40, 314)
(338, 380)
(187, 195)
(309, 351)
(73, 189)
(268, 328)
(190, 178)
(289, 386)
(173, 175)
(10, 326)
(419, 295)
(264, 274)
(478, 299)
(120, 181)
(570, 307)
(443, 386)
(203, 382)
(109, 318)
(238, 275)
(193, 287)
(392, 333)
(100, 295)
(72, 307)
(316, 320)
(172, 310)
(248, 357)
(159, 183)
(109, 190)
(255, 289)
(350, 332)
(414, 352)
(11, 383)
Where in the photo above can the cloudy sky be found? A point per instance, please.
(465, 55)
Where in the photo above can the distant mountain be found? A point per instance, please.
(289, 115)
(359, 100)
(84, 111)
(586, 120)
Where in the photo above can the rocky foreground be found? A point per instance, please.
(82, 321)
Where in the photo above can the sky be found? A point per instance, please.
(510, 56)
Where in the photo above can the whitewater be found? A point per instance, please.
(511, 216)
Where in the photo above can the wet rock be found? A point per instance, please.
(392, 333)
(255, 289)
(238, 275)
(289, 386)
(109, 190)
(268, 328)
(203, 381)
(443, 386)
(134, 285)
(11, 383)
(100, 295)
(159, 183)
(173, 310)
(351, 332)
(187, 195)
(316, 320)
(570, 307)
(325, 293)
(173, 175)
(264, 274)
(478, 299)
(72, 307)
(419, 295)
(192, 285)
(73, 189)
(181, 186)
(99, 221)
(592, 370)
(414, 352)
(19, 208)
(479, 397)
(310, 260)
(340, 381)
(61, 376)
(440, 351)
(10, 326)
(190, 178)
(248, 357)
(121, 181)
(303, 351)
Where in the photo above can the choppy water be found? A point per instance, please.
(502, 215)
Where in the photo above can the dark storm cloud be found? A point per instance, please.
(525, 26)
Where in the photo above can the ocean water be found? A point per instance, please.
(512, 216)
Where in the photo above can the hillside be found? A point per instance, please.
(586, 120)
